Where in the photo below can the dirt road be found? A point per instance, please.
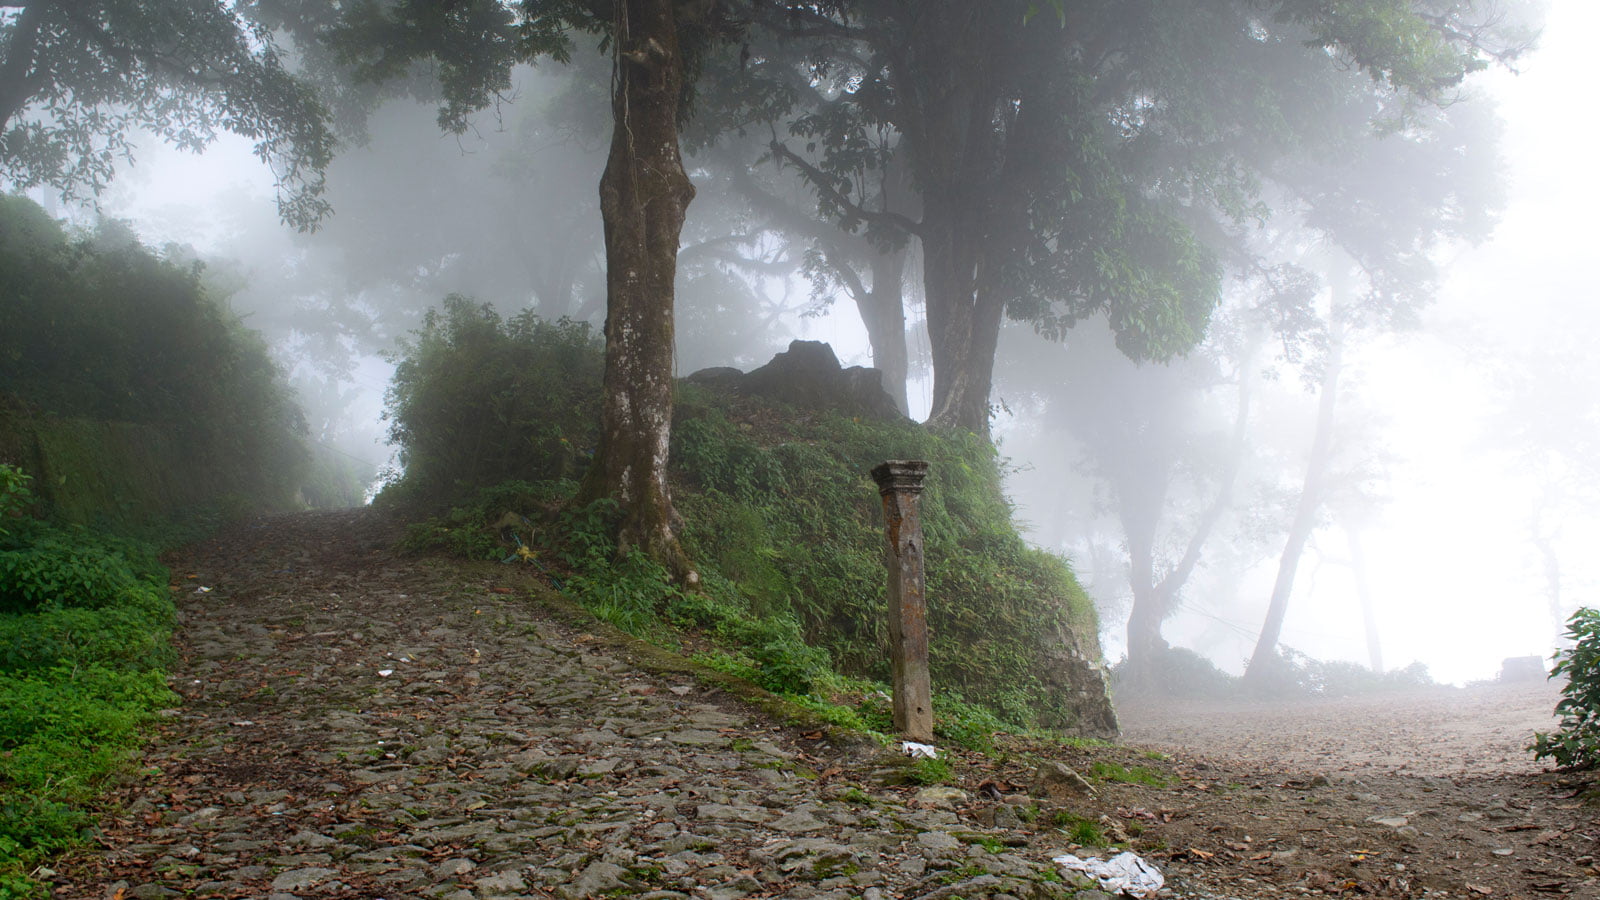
(1478, 730)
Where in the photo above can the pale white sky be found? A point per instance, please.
(1452, 571)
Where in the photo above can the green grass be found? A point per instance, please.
(1107, 770)
(84, 623)
(1078, 829)
(928, 770)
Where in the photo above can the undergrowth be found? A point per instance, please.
(84, 622)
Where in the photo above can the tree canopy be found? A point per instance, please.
(79, 80)
(1093, 162)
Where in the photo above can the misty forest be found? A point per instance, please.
(756, 448)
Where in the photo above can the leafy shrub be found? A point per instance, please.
(1294, 674)
(792, 517)
(1576, 744)
(16, 495)
(964, 724)
(1176, 672)
(477, 400)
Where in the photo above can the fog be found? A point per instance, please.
(1461, 486)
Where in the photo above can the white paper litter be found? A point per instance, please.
(385, 673)
(918, 751)
(202, 590)
(1125, 873)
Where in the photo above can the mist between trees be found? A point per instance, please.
(1144, 244)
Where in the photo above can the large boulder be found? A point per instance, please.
(808, 376)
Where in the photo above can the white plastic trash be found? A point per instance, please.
(1125, 873)
(918, 751)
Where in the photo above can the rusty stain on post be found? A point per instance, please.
(900, 484)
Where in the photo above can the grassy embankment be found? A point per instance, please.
(780, 515)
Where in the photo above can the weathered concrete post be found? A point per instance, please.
(900, 483)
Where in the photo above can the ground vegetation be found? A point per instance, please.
(85, 620)
(1576, 742)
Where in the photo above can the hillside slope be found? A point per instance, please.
(771, 475)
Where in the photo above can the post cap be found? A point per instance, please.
(900, 475)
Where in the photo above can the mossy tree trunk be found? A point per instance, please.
(644, 194)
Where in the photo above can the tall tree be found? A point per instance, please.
(78, 79)
(644, 194)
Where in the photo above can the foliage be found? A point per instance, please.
(100, 329)
(792, 517)
(82, 81)
(84, 623)
(1577, 742)
(477, 400)
(16, 494)
(1176, 672)
(1298, 675)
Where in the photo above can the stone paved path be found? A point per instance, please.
(360, 725)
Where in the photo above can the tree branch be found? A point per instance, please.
(797, 22)
(819, 180)
(721, 248)
(847, 275)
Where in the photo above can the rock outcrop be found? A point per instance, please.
(808, 376)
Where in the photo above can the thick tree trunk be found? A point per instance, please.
(947, 69)
(643, 196)
(963, 322)
(883, 312)
(1305, 517)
